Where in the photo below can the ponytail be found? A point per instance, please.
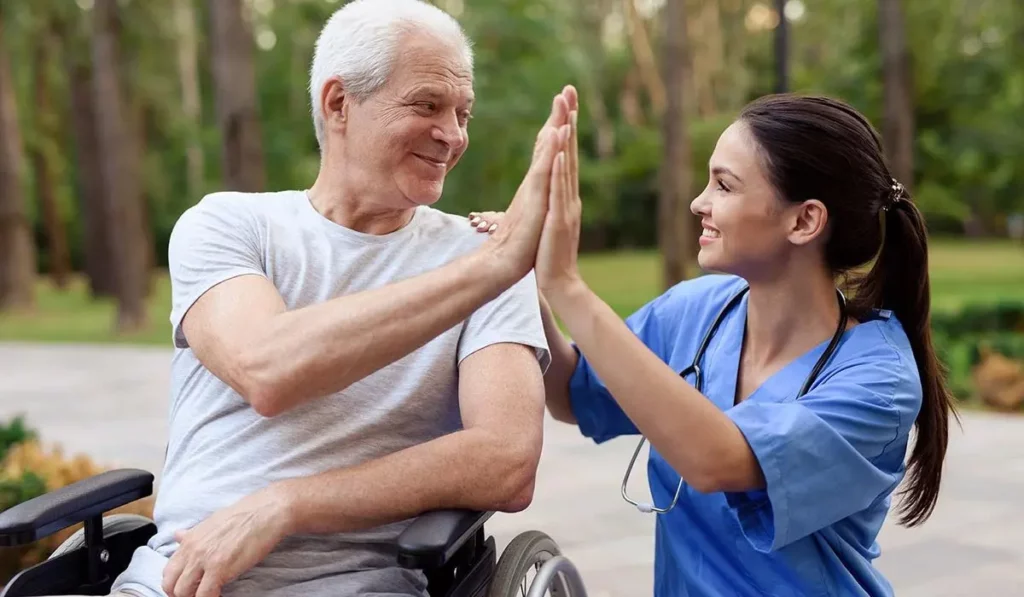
(898, 281)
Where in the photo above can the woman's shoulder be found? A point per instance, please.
(877, 354)
(709, 292)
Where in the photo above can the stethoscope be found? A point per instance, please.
(699, 385)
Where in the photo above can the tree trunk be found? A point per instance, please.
(188, 75)
(234, 78)
(17, 251)
(781, 49)
(644, 56)
(117, 167)
(99, 261)
(898, 125)
(43, 157)
(675, 235)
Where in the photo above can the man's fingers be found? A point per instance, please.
(572, 97)
(555, 142)
(209, 587)
(188, 582)
(171, 573)
(559, 115)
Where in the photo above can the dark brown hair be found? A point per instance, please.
(821, 148)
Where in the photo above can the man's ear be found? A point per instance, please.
(334, 103)
(810, 220)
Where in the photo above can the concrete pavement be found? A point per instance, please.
(110, 402)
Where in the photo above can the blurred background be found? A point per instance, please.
(117, 115)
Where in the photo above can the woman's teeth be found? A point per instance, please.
(711, 233)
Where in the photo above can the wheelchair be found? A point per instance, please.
(449, 546)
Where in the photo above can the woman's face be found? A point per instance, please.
(746, 228)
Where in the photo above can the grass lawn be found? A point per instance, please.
(961, 272)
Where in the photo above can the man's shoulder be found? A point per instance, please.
(452, 228)
(238, 202)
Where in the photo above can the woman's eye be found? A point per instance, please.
(721, 187)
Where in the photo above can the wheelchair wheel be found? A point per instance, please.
(115, 523)
(519, 564)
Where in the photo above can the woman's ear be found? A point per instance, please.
(809, 223)
(335, 104)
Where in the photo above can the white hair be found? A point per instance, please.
(359, 42)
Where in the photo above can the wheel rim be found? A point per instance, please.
(557, 589)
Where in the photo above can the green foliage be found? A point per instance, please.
(27, 486)
(14, 433)
(961, 337)
(968, 87)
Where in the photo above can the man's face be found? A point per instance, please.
(412, 132)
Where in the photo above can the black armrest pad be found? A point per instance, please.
(434, 537)
(67, 506)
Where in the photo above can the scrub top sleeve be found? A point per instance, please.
(598, 415)
(824, 455)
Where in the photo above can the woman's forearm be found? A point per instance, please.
(563, 362)
(696, 438)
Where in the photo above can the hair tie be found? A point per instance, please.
(895, 195)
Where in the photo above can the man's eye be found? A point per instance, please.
(465, 117)
(429, 106)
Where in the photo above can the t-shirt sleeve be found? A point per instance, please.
(826, 456)
(512, 317)
(211, 242)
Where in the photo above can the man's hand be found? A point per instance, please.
(227, 544)
(516, 242)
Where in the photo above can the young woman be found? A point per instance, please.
(778, 412)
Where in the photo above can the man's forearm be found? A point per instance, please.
(317, 350)
(466, 469)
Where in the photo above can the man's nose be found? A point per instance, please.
(450, 132)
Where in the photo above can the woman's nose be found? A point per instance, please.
(700, 205)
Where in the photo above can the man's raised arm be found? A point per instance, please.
(239, 327)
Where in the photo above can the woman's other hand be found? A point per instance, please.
(486, 221)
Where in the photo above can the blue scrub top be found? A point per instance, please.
(831, 459)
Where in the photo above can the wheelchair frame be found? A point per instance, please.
(449, 546)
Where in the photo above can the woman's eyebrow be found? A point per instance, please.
(723, 170)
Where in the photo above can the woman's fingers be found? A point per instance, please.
(574, 156)
(487, 221)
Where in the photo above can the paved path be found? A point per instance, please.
(110, 402)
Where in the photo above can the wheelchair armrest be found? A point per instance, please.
(44, 515)
(431, 540)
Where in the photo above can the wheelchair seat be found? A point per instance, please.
(449, 546)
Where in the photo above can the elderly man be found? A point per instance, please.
(348, 357)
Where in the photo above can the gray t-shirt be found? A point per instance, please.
(221, 450)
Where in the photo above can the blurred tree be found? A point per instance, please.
(899, 108)
(120, 172)
(234, 79)
(191, 107)
(675, 234)
(45, 152)
(73, 31)
(17, 258)
(782, 48)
